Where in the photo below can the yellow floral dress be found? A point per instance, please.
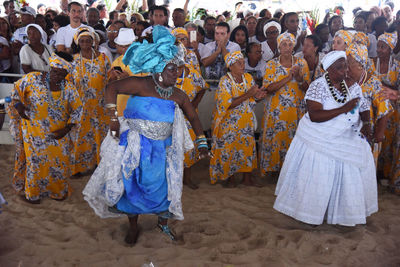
(192, 84)
(15, 128)
(389, 161)
(47, 159)
(283, 110)
(233, 143)
(379, 107)
(90, 78)
(192, 60)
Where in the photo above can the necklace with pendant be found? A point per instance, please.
(163, 92)
(343, 87)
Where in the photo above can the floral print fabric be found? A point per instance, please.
(282, 112)
(47, 159)
(233, 144)
(90, 79)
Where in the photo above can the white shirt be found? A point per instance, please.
(149, 30)
(21, 36)
(207, 40)
(5, 64)
(268, 54)
(36, 61)
(258, 71)
(254, 39)
(65, 35)
(210, 48)
(111, 51)
(216, 70)
(106, 52)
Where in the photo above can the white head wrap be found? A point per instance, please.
(42, 32)
(272, 24)
(331, 58)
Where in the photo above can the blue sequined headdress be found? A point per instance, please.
(152, 57)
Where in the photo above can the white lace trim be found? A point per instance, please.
(105, 187)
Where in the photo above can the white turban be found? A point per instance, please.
(272, 24)
(41, 31)
(331, 58)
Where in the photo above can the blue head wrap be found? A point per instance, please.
(151, 57)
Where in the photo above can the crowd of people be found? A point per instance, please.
(115, 98)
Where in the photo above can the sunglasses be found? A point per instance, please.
(272, 32)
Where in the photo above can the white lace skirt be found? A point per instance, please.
(313, 186)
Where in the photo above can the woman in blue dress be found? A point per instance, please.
(141, 172)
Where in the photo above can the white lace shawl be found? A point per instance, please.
(105, 187)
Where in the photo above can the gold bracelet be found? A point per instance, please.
(201, 136)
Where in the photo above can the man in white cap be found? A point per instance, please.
(20, 37)
(119, 70)
(66, 34)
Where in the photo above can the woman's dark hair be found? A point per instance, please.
(263, 12)
(319, 28)
(65, 56)
(316, 41)
(260, 28)
(250, 46)
(61, 20)
(355, 10)
(277, 15)
(120, 22)
(201, 30)
(331, 20)
(143, 23)
(285, 18)
(239, 28)
(377, 21)
(362, 16)
(393, 27)
(226, 14)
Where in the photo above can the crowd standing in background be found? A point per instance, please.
(336, 83)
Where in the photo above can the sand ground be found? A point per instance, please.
(222, 227)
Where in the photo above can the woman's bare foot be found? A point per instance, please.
(248, 180)
(30, 201)
(230, 182)
(188, 182)
(132, 236)
(133, 232)
(187, 179)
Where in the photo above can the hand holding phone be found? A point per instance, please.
(193, 36)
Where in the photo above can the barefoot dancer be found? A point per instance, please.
(142, 172)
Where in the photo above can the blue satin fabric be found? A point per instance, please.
(146, 191)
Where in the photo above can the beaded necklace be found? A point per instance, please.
(344, 90)
(163, 92)
(82, 70)
(55, 105)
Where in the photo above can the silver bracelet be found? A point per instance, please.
(111, 105)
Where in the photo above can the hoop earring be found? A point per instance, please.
(160, 79)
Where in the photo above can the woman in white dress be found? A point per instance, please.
(329, 170)
(269, 47)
